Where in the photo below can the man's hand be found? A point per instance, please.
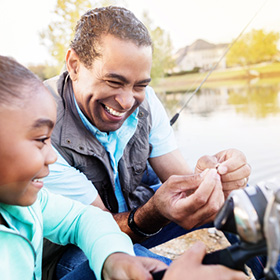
(120, 266)
(189, 266)
(189, 200)
(231, 165)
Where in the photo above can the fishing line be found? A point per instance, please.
(176, 116)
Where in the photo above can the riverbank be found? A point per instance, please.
(260, 73)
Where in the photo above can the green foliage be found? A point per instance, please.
(162, 50)
(254, 47)
(44, 71)
(60, 31)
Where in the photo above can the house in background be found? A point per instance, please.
(200, 54)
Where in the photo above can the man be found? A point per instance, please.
(110, 123)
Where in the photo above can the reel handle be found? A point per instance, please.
(228, 257)
(236, 255)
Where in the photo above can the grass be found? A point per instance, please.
(219, 78)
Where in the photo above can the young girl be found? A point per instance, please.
(27, 212)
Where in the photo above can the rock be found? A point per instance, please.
(213, 238)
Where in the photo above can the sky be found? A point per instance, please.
(216, 21)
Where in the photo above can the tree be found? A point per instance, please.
(162, 49)
(254, 47)
(43, 71)
(60, 32)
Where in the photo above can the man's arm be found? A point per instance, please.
(122, 221)
(169, 164)
(188, 200)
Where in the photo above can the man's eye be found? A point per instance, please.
(114, 84)
(140, 87)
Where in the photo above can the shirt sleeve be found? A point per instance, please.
(88, 227)
(70, 182)
(161, 136)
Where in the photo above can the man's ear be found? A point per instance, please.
(72, 64)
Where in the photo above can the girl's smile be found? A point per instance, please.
(25, 145)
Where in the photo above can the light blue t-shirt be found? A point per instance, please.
(67, 180)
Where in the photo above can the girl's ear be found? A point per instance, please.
(72, 64)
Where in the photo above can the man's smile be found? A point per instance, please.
(113, 112)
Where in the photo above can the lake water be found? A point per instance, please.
(245, 117)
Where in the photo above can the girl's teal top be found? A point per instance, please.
(62, 221)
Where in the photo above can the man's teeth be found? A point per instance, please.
(113, 112)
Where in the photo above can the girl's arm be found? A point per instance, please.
(88, 227)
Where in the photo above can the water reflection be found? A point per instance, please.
(243, 117)
(257, 102)
(252, 101)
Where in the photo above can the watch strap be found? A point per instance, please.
(135, 228)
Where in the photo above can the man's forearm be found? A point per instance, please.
(147, 221)
(146, 218)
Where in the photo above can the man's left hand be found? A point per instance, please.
(231, 164)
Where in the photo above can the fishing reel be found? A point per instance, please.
(253, 215)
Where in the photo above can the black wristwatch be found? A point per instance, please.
(135, 228)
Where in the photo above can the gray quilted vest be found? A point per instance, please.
(84, 152)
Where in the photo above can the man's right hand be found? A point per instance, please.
(189, 200)
(189, 266)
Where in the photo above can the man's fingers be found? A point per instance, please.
(204, 203)
(184, 183)
(238, 184)
(210, 180)
(238, 174)
(206, 162)
(209, 210)
(233, 161)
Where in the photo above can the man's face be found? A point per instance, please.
(110, 91)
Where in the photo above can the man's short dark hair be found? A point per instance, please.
(116, 21)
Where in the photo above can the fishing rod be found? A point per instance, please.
(176, 116)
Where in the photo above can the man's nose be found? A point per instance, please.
(125, 99)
